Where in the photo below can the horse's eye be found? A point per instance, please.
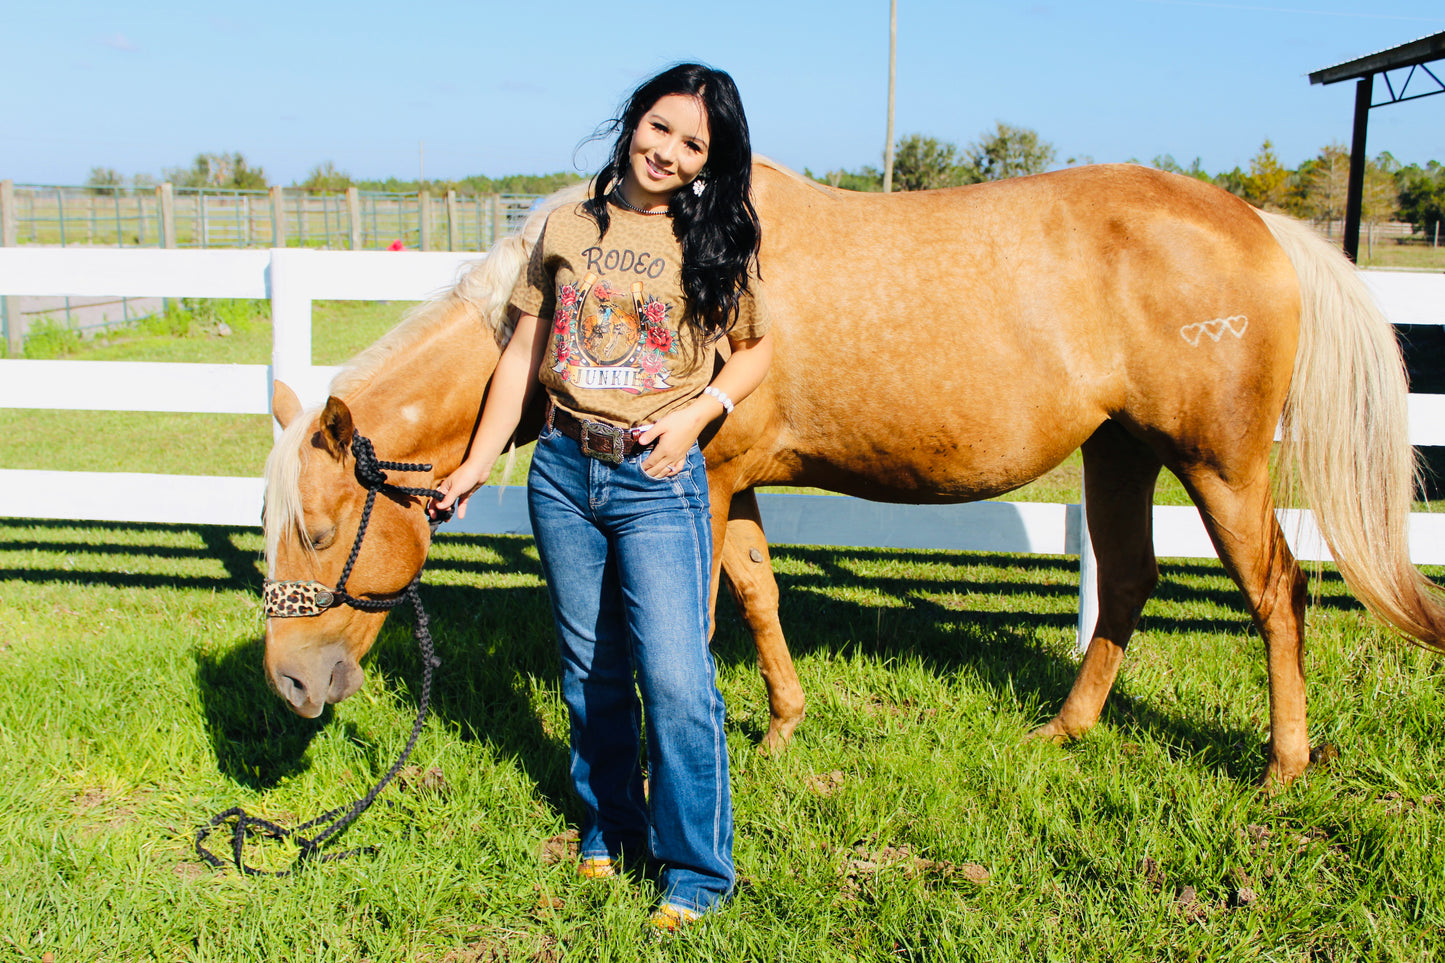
(322, 538)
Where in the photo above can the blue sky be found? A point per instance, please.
(495, 88)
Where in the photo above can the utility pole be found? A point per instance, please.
(892, 81)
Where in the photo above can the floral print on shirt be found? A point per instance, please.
(606, 338)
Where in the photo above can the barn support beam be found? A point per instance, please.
(1354, 199)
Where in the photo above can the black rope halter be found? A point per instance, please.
(370, 472)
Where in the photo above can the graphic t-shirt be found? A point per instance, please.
(618, 351)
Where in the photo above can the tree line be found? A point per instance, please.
(231, 171)
(1315, 190)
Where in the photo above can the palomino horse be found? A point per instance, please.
(946, 346)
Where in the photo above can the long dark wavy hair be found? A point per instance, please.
(718, 229)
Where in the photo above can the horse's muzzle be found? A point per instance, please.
(308, 685)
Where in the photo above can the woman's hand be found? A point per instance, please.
(457, 488)
(675, 433)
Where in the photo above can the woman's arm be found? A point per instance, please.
(676, 431)
(513, 383)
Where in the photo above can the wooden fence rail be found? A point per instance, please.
(292, 278)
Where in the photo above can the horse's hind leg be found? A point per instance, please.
(1241, 522)
(749, 573)
(1119, 477)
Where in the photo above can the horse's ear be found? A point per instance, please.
(336, 427)
(284, 403)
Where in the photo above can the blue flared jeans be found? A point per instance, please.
(628, 563)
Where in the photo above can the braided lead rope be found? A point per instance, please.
(372, 473)
(429, 662)
(341, 595)
(247, 825)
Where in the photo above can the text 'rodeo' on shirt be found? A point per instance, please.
(624, 262)
(605, 338)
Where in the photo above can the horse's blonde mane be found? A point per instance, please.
(481, 294)
(281, 510)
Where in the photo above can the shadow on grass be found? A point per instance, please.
(218, 544)
(497, 651)
(491, 642)
(495, 645)
(494, 640)
(931, 618)
(257, 741)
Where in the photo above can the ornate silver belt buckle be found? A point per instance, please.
(612, 437)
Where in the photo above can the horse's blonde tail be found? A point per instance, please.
(1346, 447)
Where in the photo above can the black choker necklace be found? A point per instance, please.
(622, 202)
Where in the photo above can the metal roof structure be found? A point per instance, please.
(1413, 58)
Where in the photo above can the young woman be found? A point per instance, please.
(624, 302)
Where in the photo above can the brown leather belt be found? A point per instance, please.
(603, 442)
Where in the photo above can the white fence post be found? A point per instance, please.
(290, 321)
(8, 221)
(166, 197)
(452, 220)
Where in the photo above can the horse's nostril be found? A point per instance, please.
(293, 690)
(346, 678)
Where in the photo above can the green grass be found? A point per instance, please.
(906, 821)
(1411, 255)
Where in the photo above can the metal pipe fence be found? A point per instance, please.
(120, 216)
(117, 216)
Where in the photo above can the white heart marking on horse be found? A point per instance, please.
(1194, 333)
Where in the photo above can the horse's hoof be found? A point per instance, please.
(777, 738)
(1051, 731)
(1278, 775)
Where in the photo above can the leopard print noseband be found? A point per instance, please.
(289, 600)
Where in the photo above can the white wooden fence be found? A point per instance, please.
(292, 278)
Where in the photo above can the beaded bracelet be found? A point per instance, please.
(721, 398)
